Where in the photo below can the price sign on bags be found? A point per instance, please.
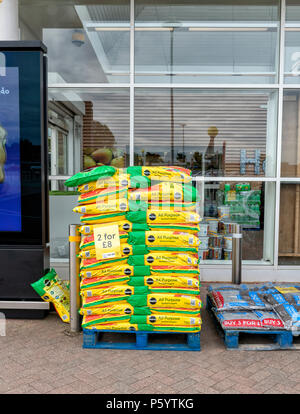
(107, 242)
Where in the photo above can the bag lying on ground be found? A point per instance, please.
(51, 289)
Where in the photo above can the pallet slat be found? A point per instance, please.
(92, 338)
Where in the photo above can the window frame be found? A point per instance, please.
(280, 86)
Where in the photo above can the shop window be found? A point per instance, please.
(87, 41)
(289, 230)
(98, 135)
(292, 42)
(214, 133)
(290, 157)
(227, 207)
(179, 41)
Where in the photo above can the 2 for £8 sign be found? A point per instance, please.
(107, 242)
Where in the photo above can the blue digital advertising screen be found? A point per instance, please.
(10, 174)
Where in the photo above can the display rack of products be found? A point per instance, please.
(231, 205)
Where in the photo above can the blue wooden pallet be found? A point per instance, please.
(92, 338)
(281, 339)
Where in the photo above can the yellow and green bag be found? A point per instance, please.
(113, 326)
(118, 180)
(52, 289)
(107, 280)
(163, 238)
(166, 319)
(124, 225)
(128, 270)
(103, 195)
(153, 300)
(164, 258)
(163, 217)
(168, 191)
(101, 218)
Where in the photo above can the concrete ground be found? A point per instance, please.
(38, 357)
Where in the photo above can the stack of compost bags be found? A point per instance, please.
(152, 283)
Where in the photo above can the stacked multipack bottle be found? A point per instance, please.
(153, 282)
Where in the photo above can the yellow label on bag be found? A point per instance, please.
(173, 319)
(107, 242)
(103, 206)
(163, 191)
(119, 270)
(120, 204)
(170, 216)
(167, 174)
(289, 289)
(118, 180)
(121, 290)
(168, 238)
(168, 259)
(113, 308)
(171, 281)
(124, 225)
(170, 301)
(121, 326)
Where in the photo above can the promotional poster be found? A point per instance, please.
(10, 179)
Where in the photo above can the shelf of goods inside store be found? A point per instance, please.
(139, 268)
(234, 205)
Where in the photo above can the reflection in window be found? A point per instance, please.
(289, 230)
(209, 42)
(226, 205)
(87, 42)
(214, 133)
(290, 158)
(87, 127)
(292, 42)
(104, 116)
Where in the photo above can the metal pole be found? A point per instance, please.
(74, 240)
(237, 256)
